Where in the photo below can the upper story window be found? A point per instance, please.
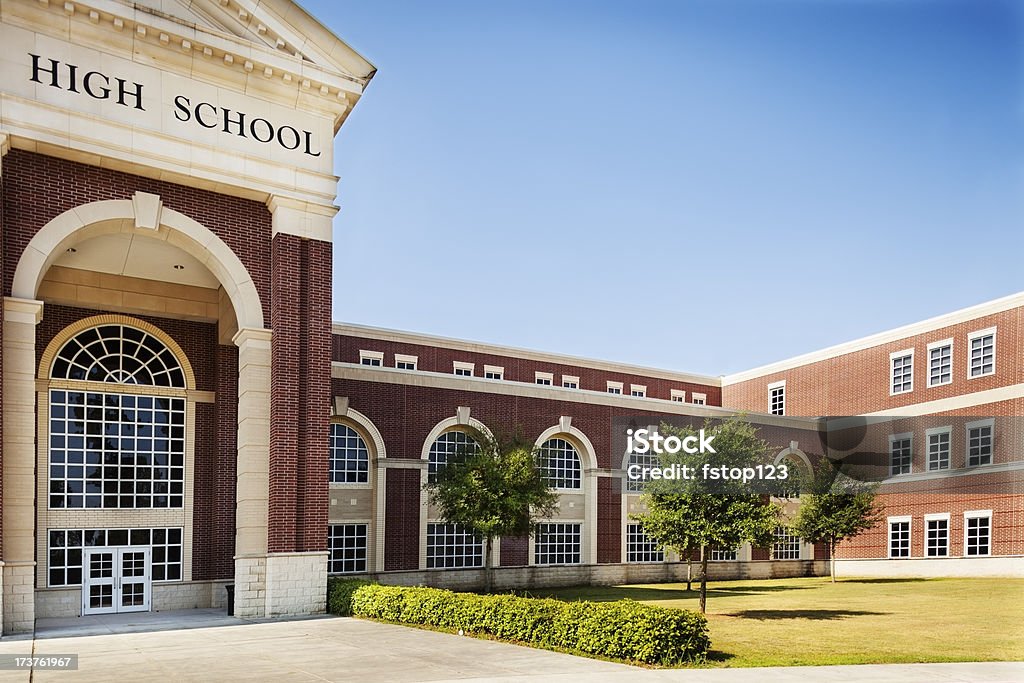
(444, 448)
(699, 399)
(371, 358)
(463, 369)
(560, 464)
(979, 442)
(349, 457)
(901, 366)
(404, 362)
(494, 372)
(118, 354)
(638, 390)
(678, 395)
(983, 353)
(938, 448)
(614, 387)
(900, 453)
(570, 382)
(544, 378)
(940, 363)
(777, 398)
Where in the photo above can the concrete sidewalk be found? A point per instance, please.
(338, 649)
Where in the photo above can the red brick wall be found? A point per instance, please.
(38, 188)
(859, 382)
(609, 520)
(300, 394)
(401, 519)
(515, 552)
(440, 359)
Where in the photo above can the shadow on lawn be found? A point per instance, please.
(812, 614)
(645, 594)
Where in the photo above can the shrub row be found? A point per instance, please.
(620, 630)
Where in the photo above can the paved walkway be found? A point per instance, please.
(332, 649)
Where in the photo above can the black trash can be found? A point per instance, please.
(230, 588)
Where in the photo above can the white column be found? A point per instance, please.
(252, 493)
(19, 462)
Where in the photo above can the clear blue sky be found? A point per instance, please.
(697, 185)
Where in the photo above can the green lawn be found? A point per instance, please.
(787, 622)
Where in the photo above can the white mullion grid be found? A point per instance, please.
(641, 548)
(901, 372)
(982, 353)
(940, 363)
(899, 536)
(901, 453)
(936, 535)
(785, 546)
(560, 464)
(558, 543)
(977, 533)
(167, 560)
(347, 547)
(938, 441)
(453, 546)
(980, 442)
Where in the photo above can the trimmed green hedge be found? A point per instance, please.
(620, 630)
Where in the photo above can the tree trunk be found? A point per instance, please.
(488, 570)
(689, 570)
(832, 558)
(703, 581)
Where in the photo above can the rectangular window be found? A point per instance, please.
(346, 548)
(678, 395)
(786, 546)
(938, 448)
(902, 365)
(641, 464)
(724, 554)
(901, 453)
(543, 378)
(494, 372)
(614, 387)
(940, 363)
(452, 546)
(403, 362)
(116, 450)
(372, 358)
(570, 382)
(699, 399)
(463, 369)
(936, 535)
(640, 548)
(983, 353)
(558, 543)
(978, 533)
(899, 537)
(979, 442)
(777, 398)
(66, 545)
(638, 390)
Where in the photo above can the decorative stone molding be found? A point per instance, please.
(147, 209)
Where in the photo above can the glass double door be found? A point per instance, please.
(116, 580)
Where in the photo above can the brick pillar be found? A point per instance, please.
(300, 314)
(19, 462)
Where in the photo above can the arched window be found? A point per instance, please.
(350, 458)
(122, 446)
(445, 447)
(560, 464)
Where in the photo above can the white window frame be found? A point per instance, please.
(724, 555)
(677, 395)
(937, 517)
(570, 382)
(991, 424)
(544, 379)
(616, 386)
(772, 388)
(460, 365)
(638, 390)
(979, 514)
(494, 370)
(365, 355)
(403, 358)
(970, 339)
(699, 399)
(952, 370)
(892, 376)
(899, 437)
(640, 548)
(910, 536)
(561, 530)
(365, 536)
(928, 434)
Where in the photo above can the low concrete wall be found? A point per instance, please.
(508, 578)
(67, 602)
(934, 567)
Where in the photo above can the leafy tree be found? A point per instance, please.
(699, 512)
(497, 490)
(835, 508)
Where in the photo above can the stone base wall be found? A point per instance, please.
(934, 567)
(67, 602)
(18, 603)
(509, 578)
(296, 584)
(250, 587)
